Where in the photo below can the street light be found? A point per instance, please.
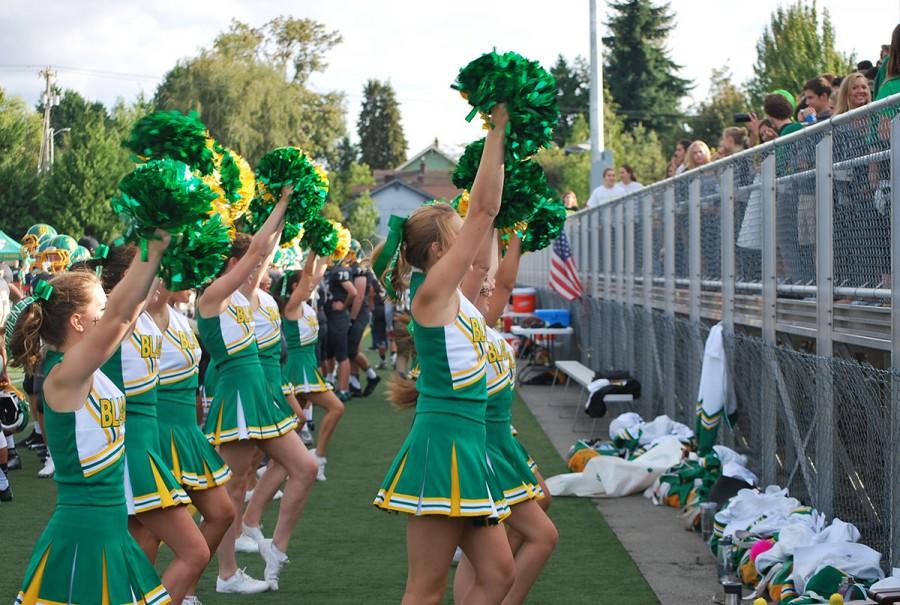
(53, 133)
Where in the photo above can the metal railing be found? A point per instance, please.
(793, 246)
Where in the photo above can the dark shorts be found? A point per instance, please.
(31, 384)
(355, 335)
(379, 326)
(322, 343)
(338, 335)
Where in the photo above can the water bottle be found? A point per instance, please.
(707, 519)
(725, 560)
(732, 592)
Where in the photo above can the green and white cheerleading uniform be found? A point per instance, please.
(442, 468)
(267, 324)
(245, 405)
(195, 462)
(149, 483)
(86, 555)
(301, 369)
(507, 457)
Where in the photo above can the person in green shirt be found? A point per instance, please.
(891, 83)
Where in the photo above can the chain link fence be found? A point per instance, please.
(787, 245)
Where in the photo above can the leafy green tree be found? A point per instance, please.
(793, 48)
(382, 143)
(363, 218)
(20, 186)
(573, 84)
(346, 154)
(72, 111)
(638, 70)
(716, 112)
(250, 88)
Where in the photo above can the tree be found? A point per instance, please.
(20, 186)
(250, 88)
(73, 109)
(794, 48)
(641, 76)
(363, 218)
(346, 154)
(573, 84)
(716, 113)
(382, 143)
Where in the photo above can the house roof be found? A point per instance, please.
(397, 182)
(413, 162)
(435, 184)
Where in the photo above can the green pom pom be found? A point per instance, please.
(161, 194)
(290, 232)
(288, 166)
(197, 256)
(173, 135)
(320, 236)
(547, 223)
(524, 182)
(528, 90)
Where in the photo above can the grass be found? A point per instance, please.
(347, 551)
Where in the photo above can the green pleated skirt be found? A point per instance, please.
(442, 469)
(149, 482)
(301, 371)
(531, 463)
(86, 556)
(247, 406)
(194, 462)
(511, 464)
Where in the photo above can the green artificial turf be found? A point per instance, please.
(347, 551)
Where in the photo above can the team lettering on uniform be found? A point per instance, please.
(496, 353)
(243, 315)
(151, 346)
(185, 340)
(479, 333)
(112, 412)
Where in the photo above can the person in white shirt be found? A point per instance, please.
(627, 182)
(607, 191)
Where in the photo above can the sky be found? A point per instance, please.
(106, 49)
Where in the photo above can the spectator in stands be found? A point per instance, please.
(681, 147)
(670, 168)
(853, 93)
(891, 83)
(734, 139)
(697, 155)
(570, 201)
(767, 132)
(607, 191)
(817, 93)
(778, 109)
(627, 182)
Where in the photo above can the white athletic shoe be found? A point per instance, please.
(320, 461)
(261, 471)
(48, 470)
(191, 600)
(278, 495)
(457, 556)
(241, 583)
(306, 435)
(253, 533)
(247, 495)
(245, 543)
(274, 559)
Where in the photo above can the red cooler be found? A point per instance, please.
(524, 300)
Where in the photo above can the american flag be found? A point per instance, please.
(563, 272)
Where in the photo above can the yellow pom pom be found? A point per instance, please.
(463, 208)
(580, 459)
(343, 245)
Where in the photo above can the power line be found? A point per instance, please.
(103, 73)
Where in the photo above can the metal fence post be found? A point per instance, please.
(695, 354)
(648, 375)
(769, 295)
(825, 408)
(668, 377)
(894, 478)
(583, 245)
(629, 283)
(621, 330)
(726, 230)
(594, 217)
(608, 293)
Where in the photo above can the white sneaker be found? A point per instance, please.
(241, 583)
(457, 556)
(320, 461)
(48, 470)
(261, 471)
(274, 559)
(247, 495)
(306, 436)
(278, 495)
(245, 543)
(254, 533)
(191, 600)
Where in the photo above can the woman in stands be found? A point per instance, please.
(440, 476)
(86, 554)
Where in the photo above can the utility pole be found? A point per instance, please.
(600, 157)
(50, 100)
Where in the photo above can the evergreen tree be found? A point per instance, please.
(793, 49)
(574, 86)
(638, 71)
(363, 218)
(716, 112)
(20, 185)
(382, 143)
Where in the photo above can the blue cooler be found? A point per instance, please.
(554, 317)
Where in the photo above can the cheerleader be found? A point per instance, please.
(441, 477)
(532, 534)
(195, 463)
(86, 554)
(155, 498)
(301, 329)
(246, 412)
